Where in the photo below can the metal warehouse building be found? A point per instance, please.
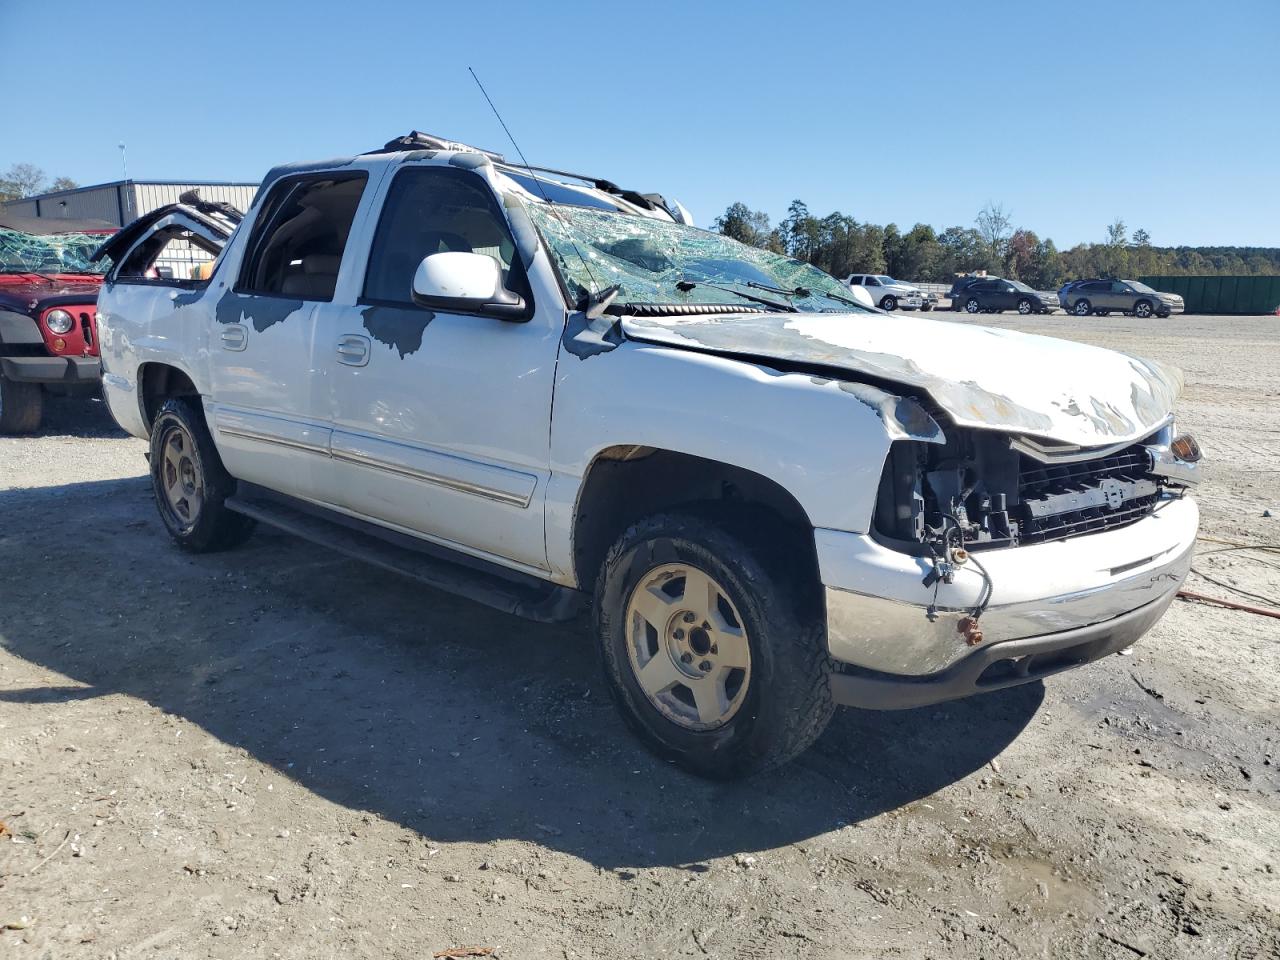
(126, 200)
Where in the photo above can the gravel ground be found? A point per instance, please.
(276, 752)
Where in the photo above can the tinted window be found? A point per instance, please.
(1097, 286)
(872, 282)
(435, 210)
(300, 236)
(1119, 286)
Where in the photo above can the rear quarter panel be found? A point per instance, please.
(141, 323)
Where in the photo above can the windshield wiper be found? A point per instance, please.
(684, 286)
(797, 292)
(806, 292)
(30, 273)
(839, 299)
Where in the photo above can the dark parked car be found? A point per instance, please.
(1101, 297)
(993, 294)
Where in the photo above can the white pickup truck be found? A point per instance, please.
(552, 395)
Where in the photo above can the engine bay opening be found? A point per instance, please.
(979, 491)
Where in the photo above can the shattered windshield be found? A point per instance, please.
(50, 253)
(659, 263)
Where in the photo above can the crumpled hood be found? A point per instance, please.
(983, 377)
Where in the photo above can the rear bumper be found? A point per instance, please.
(879, 620)
(51, 369)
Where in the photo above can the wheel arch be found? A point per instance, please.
(626, 482)
(159, 381)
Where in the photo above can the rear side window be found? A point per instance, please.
(436, 210)
(300, 236)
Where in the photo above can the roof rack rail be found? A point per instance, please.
(417, 140)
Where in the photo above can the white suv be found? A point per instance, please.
(888, 293)
(551, 395)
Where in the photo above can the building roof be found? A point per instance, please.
(44, 226)
(112, 184)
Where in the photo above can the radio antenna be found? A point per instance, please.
(596, 302)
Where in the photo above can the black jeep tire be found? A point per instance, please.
(783, 702)
(21, 406)
(190, 483)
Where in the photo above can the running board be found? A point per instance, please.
(478, 580)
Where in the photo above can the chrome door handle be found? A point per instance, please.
(353, 350)
(234, 337)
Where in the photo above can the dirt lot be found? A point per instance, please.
(276, 752)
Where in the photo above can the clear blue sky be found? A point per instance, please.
(1069, 113)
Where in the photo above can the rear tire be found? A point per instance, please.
(1082, 308)
(726, 687)
(972, 305)
(21, 406)
(191, 485)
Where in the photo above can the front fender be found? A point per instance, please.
(822, 440)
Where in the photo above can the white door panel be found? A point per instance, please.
(450, 439)
(283, 453)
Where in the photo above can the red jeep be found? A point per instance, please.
(48, 320)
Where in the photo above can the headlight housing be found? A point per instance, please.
(59, 321)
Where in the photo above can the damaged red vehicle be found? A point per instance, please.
(48, 314)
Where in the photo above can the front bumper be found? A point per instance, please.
(1071, 595)
(1171, 308)
(51, 369)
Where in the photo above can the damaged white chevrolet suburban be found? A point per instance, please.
(538, 390)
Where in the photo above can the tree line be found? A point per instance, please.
(840, 245)
(27, 180)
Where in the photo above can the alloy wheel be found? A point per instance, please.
(973, 306)
(180, 476)
(687, 646)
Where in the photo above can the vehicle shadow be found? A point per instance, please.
(77, 416)
(384, 696)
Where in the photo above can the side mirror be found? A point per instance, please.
(1008, 289)
(466, 283)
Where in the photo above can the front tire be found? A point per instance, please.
(191, 485)
(889, 303)
(972, 305)
(21, 406)
(1142, 309)
(709, 653)
(1024, 306)
(1082, 308)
